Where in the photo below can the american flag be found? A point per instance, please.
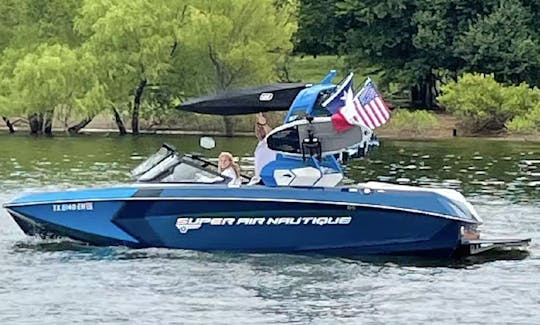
(372, 109)
(367, 108)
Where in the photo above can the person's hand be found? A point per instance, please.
(261, 120)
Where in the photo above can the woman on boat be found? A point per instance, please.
(227, 167)
(263, 155)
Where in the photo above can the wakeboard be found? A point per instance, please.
(315, 137)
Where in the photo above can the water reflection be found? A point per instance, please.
(65, 249)
(457, 263)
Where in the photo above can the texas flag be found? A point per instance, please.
(367, 108)
(337, 100)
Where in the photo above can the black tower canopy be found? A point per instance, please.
(273, 97)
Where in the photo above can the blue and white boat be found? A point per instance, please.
(181, 201)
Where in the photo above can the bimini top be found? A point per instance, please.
(272, 97)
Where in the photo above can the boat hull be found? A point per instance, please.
(264, 222)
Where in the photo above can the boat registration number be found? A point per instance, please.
(80, 206)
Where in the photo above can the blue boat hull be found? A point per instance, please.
(260, 220)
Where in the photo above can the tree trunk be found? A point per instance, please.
(413, 96)
(430, 85)
(35, 121)
(47, 124)
(119, 122)
(229, 125)
(136, 106)
(79, 126)
(422, 94)
(284, 73)
(8, 124)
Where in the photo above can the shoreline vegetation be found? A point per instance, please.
(72, 66)
(413, 124)
(445, 127)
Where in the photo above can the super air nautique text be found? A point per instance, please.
(186, 224)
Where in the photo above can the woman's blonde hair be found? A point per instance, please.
(234, 165)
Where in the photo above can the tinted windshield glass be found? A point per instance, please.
(191, 174)
(151, 161)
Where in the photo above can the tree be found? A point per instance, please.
(10, 11)
(380, 36)
(75, 58)
(504, 43)
(54, 77)
(424, 43)
(482, 104)
(134, 41)
(320, 30)
(25, 26)
(240, 41)
(438, 25)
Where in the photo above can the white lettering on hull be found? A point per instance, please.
(81, 206)
(186, 224)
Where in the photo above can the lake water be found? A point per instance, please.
(55, 282)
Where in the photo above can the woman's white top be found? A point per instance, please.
(262, 156)
(229, 172)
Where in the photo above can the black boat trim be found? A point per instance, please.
(145, 192)
(478, 246)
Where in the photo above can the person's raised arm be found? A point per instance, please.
(261, 127)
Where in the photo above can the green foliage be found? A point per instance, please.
(53, 20)
(80, 57)
(521, 99)
(320, 29)
(37, 51)
(54, 76)
(522, 124)
(158, 108)
(10, 11)
(238, 42)
(311, 69)
(502, 43)
(420, 44)
(132, 39)
(380, 33)
(439, 23)
(481, 103)
(527, 123)
(413, 122)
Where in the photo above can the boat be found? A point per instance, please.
(180, 200)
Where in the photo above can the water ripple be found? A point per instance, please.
(65, 282)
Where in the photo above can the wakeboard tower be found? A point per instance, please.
(307, 143)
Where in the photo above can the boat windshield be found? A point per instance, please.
(155, 159)
(167, 166)
(185, 172)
